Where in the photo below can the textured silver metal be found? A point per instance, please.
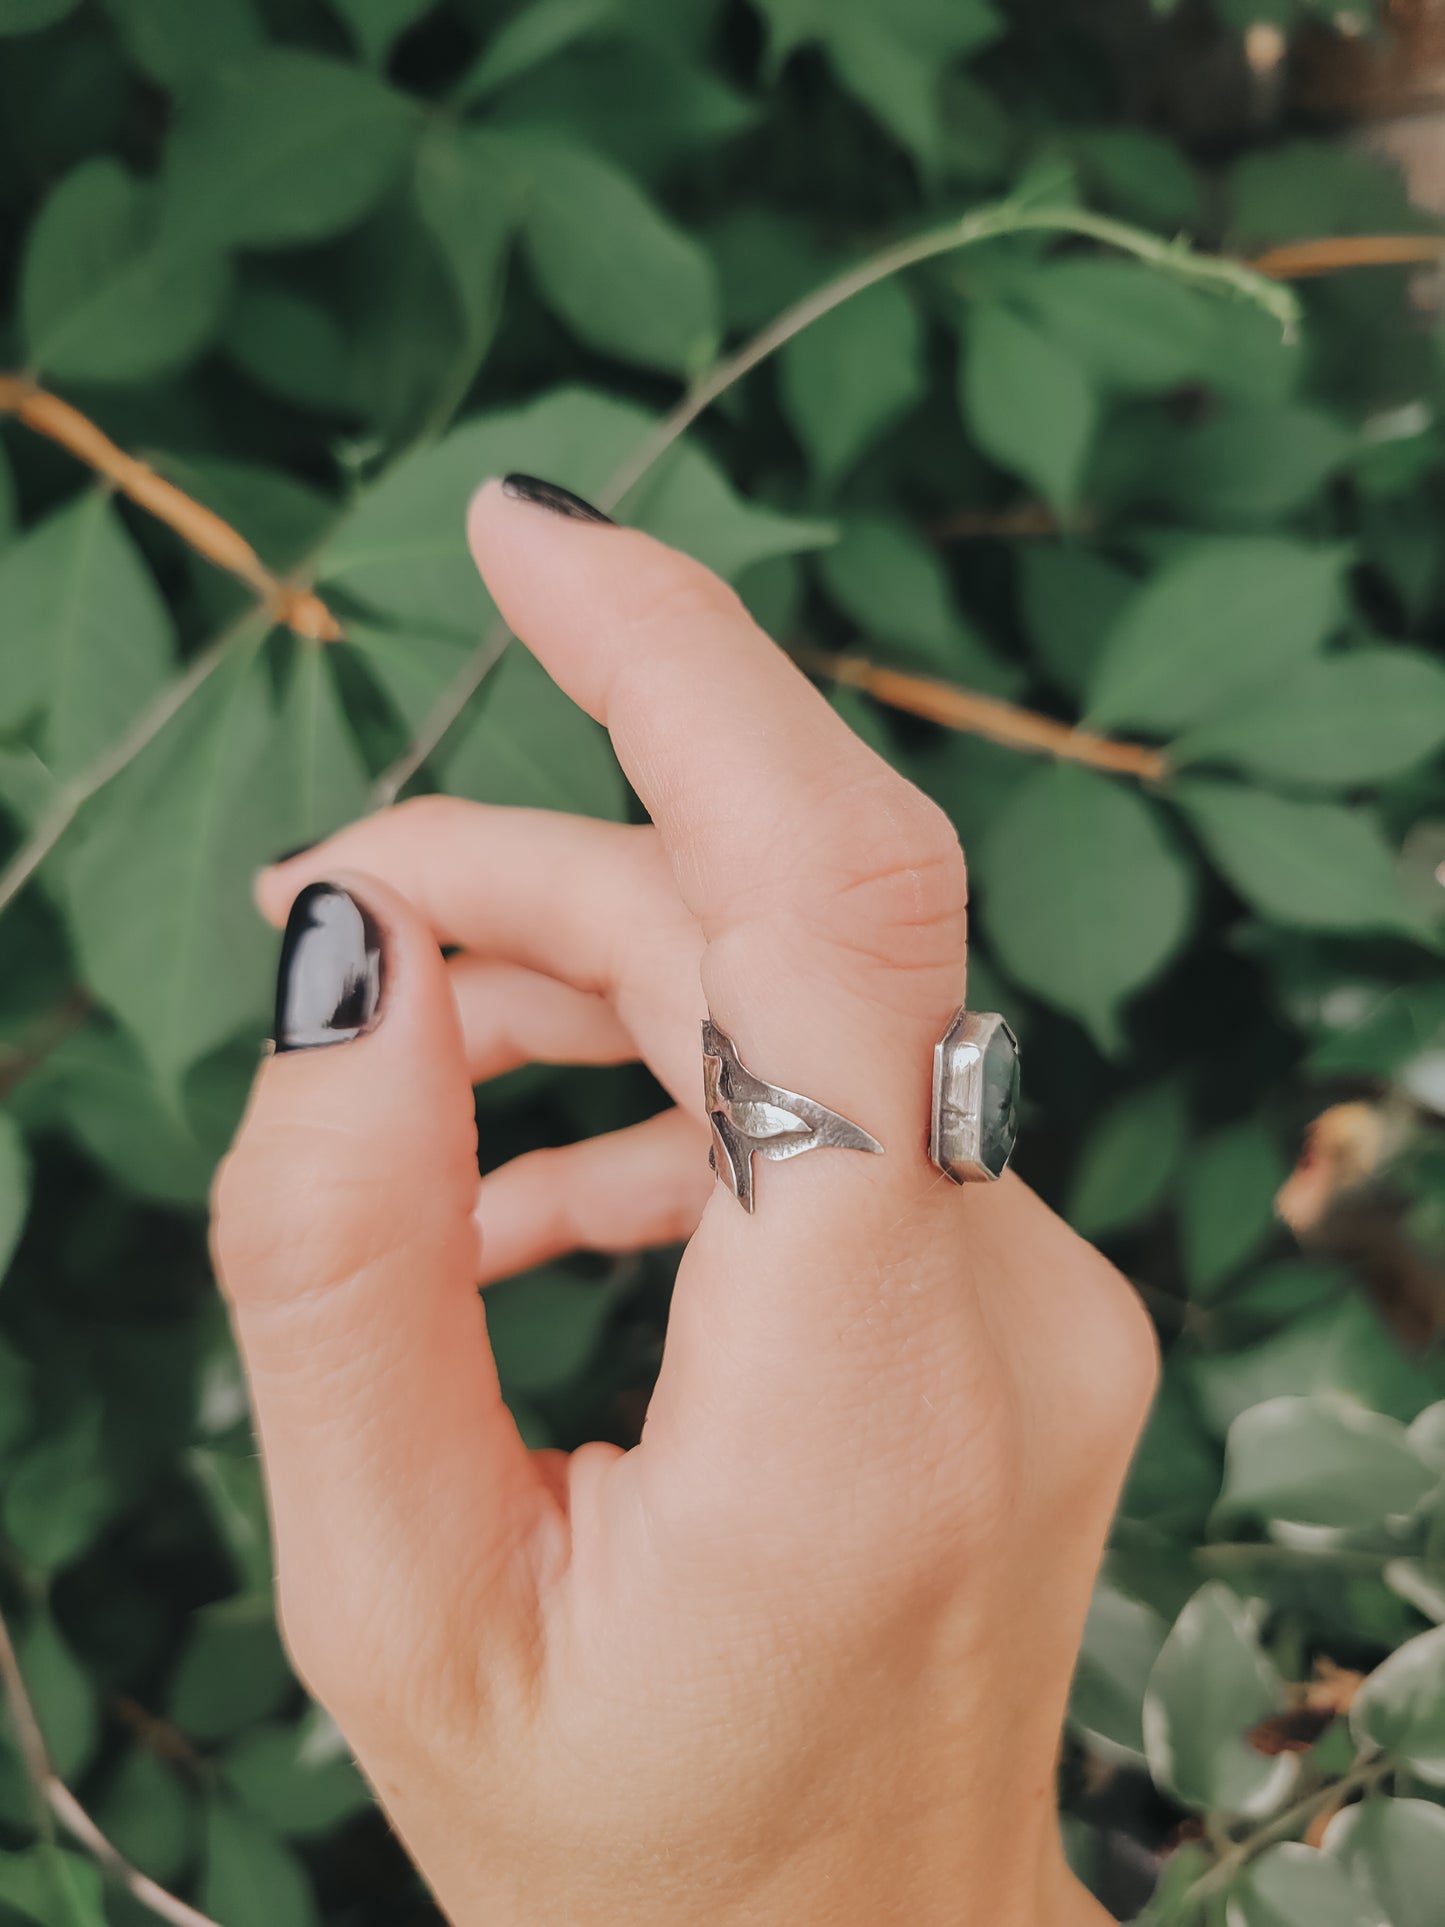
(752, 1119)
(965, 1141)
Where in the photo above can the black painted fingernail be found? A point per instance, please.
(328, 985)
(548, 495)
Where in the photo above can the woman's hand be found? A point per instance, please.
(801, 1655)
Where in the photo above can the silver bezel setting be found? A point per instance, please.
(955, 1136)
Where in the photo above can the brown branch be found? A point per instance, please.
(298, 609)
(982, 525)
(56, 1798)
(989, 717)
(1298, 260)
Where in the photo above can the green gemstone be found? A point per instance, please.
(998, 1122)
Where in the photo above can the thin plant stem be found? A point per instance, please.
(1360, 1778)
(70, 798)
(54, 1799)
(984, 224)
(299, 608)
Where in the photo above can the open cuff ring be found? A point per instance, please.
(974, 1120)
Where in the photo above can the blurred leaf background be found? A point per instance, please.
(324, 264)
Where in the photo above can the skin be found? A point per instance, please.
(802, 1654)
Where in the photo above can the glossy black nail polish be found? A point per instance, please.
(328, 984)
(549, 495)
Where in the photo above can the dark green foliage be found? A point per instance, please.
(329, 264)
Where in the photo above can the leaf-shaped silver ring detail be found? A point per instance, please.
(750, 1118)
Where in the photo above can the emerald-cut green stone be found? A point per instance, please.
(998, 1120)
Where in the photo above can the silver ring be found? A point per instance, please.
(752, 1119)
(975, 1097)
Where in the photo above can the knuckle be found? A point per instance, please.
(341, 1655)
(1114, 1369)
(429, 815)
(896, 890)
(673, 590)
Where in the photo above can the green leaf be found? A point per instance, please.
(1129, 1160)
(894, 585)
(1174, 1480)
(46, 1884)
(1357, 718)
(1394, 1850)
(413, 352)
(1227, 1209)
(235, 1496)
(530, 38)
(14, 1188)
(61, 1494)
(282, 147)
(1129, 326)
(1070, 600)
(1341, 1350)
(1082, 896)
(1401, 1707)
(149, 1813)
(851, 375)
(96, 1085)
(1319, 865)
(1210, 1684)
(531, 746)
(291, 346)
(251, 1878)
(1140, 175)
(1214, 622)
(102, 297)
(471, 210)
(1170, 1904)
(16, 1401)
(545, 1328)
(403, 549)
(300, 1779)
(617, 270)
(29, 16)
(232, 1671)
(86, 636)
(9, 510)
(376, 24)
(1122, 1640)
(174, 42)
(1028, 403)
(1297, 1886)
(324, 777)
(62, 1696)
(1322, 1462)
(1253, 463)
(159, 889)
(1295, 190)
(893, 59)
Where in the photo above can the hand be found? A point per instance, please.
(801, 1655)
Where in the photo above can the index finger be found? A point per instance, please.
(832, 896)
(767, 802)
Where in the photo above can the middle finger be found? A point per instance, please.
(590, 904)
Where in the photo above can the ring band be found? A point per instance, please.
(750, 1118)
(975, 1097)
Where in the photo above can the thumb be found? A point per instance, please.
(344, 1239)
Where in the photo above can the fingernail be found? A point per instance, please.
(328, 984)
(548, 495)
